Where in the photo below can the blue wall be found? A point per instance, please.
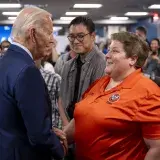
(147, 23)
(5, 32)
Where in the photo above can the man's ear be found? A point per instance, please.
(32, 34)
(93, 35)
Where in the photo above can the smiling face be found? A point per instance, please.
(154, 45)
(81, 40)
(117, 63)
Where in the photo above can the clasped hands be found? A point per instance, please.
(63, 138)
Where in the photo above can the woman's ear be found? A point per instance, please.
(133, 60)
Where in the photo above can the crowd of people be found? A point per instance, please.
(86, 104)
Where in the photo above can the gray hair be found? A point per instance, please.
(29, 16)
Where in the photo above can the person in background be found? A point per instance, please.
(25, 117)
(79, 72)
(142, 33)
(0, 52)
(153, 58)
(47, 64)
(67, 49)
(155, 46)
(52, 81)
(4, 45)
(152, 65)
(105, 48)
(118, 117)
(62, 60)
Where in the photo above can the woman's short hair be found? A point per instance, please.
(133, 46)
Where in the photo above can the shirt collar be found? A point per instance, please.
(127, 83)
(24, 48)
(132, 79)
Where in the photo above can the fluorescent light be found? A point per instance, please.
(119, 18)
(10, 5)
(57, 28)
(87, 6)
(136, 13)
(10, 13)
(154, 6)
(67, 18)
(108, 21)
(76, 13)
(12, 18)
(58, 21)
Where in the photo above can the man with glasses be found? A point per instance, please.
(84, 69)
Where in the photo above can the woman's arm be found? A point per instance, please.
(154, 149)
(70, 130)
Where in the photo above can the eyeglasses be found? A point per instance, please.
(79, 37)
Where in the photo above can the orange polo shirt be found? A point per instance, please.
(110, 125)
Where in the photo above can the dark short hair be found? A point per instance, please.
(86, 21)
(68, 48)
(133, 46)
(156, 39)
(142, 29)
(5, 41)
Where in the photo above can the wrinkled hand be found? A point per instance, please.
(62, 137)
(59, 133)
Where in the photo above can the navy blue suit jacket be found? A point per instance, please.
(25, 125)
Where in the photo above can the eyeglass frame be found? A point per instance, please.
(75, 37)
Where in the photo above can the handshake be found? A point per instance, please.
(63, 138)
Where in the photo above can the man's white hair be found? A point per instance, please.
(29, 16)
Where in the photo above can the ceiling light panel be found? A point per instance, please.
(67, 18)
(136, 13)
(10, 5)
(87, 6)
(12, 18)
(119, 18)
(76, 13)
(10, 13)
(154, 6)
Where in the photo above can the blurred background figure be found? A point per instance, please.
(52, 81)
(0, 51)
(4, 46)
(152, 66)
(142, 33)
(69, 54)
(48, 63)
(106, 45)
(155, 46)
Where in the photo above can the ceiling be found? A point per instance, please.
(110, 7)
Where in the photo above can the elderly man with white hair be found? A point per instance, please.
(25, 122)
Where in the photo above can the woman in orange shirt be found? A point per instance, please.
(119, 115)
